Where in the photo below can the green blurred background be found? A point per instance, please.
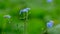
(40, 13)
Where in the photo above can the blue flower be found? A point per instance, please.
(24, 10)
(49, 0)
(50, 24)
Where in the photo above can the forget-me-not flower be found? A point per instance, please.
(49, 0)
(50, 24)
(24, 10)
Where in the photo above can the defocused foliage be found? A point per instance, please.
(40, 13)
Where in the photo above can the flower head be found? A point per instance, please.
(24, 10)
(50, 24)
(7, 16)
(49, 0)
(28, 8)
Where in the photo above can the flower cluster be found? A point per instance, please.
(24, 10)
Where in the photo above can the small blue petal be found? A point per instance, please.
(49, 0)
(49, 24)
(24, 10)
